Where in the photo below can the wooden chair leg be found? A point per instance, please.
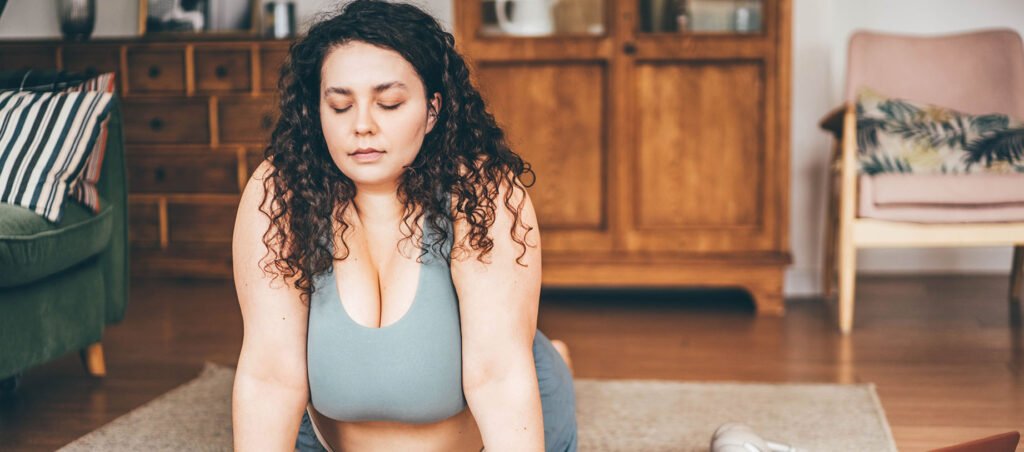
(831, 224)
(847, 214)
(1015, 273)
(847, 278)
(92, 359)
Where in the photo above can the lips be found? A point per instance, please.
(367, 155)
(365, 151)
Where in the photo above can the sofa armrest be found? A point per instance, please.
(113, 187)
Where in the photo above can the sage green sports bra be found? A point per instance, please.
(408, 371)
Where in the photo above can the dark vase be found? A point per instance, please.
(77, 18)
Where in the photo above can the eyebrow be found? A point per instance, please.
(376, 89)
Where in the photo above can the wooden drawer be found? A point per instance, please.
(169, 121)
(156, 71)
(194, 222)
(27, 57)
(144, 224)
(153, 170)
(270, 67)
(246, 119)
(223, 70)
(79, 58)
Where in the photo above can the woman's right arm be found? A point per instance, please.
(271, 388)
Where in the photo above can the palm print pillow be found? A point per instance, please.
(900, 136)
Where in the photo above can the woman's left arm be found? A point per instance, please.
(498, 301)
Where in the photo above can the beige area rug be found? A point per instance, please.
(612, 415)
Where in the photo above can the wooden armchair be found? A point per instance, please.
(977, 72)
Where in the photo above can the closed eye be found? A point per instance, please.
(386, 107)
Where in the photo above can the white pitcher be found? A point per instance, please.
(531, 17)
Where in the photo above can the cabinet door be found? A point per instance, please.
(701, 154)
(545, 75)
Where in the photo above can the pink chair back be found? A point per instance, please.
(975, 72)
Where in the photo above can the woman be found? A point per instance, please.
(383, 141)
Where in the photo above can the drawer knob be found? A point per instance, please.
(266, 121)
(629, 48)
(159, 174)
(221, 71)
(154, 71)
(156, 124)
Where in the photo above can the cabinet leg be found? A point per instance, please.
(92, 359)
(768, 300)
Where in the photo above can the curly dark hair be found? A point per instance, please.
(465, 154)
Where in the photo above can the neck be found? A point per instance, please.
(378, 205)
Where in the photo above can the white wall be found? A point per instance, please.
(820, 31)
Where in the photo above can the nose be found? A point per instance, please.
(365, 123)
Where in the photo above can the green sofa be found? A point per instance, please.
(61, 284)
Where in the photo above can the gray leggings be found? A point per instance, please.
(557, 397)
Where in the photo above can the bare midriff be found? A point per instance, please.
(458, 433)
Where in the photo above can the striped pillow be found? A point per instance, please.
(83, 188)
(45, 141)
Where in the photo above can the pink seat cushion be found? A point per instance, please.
(948, 189)
(940, 198)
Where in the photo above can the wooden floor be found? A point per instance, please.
(946, 352)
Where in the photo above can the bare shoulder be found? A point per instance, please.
(252, 220)
(516, 214)
(256, 188)
(258, 185)
(253, 244)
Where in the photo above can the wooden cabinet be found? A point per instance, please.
(662, 157)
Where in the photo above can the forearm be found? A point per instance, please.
(508, 413)
(265, 415)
